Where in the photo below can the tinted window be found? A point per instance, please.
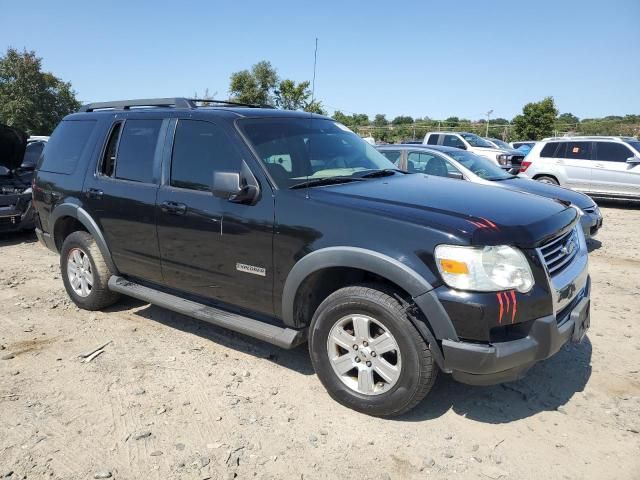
(200, 148)
(577, 150)
(137, 149)
(109, 159)
(549, 150)
(421, 162)
(32, 154)
(393, 156)
(66, 145)
(635, 145)
(612, 152)
(452, 141)
(433, 139)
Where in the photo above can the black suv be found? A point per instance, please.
(288, 227)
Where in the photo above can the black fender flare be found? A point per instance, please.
(417, 286)
(80, 214)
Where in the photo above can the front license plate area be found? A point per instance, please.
(581, 317)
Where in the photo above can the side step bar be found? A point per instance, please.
(282, 337)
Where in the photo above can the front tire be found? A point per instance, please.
(85, 273)
(368, 354)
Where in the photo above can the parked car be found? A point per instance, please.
(18, 158)
(525, 147)
(603, 167)
(475, 144)
(517, 155)
(455, 163)
(288, 227)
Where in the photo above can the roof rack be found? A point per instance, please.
(587, 137)
(178, 102)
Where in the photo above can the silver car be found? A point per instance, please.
(451, 162)
(603, 167)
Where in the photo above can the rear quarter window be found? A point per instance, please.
(66, 146)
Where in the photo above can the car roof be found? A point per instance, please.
(423, 146)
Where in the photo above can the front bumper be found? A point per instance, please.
(482, 364)
(591, 222)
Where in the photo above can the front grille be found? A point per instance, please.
(559, 252)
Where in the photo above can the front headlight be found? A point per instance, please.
(28, 190)
(484, 269)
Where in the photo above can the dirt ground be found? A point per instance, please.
(172, 398)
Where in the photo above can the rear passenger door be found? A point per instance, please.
(211, 247)
(611, 172)
(576, 159)
(121, 194)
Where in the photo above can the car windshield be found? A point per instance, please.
(296, 150)
(501, 144)
(475, 140)
(483, 167)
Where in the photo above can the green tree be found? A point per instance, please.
(402, 120)
(537, 120)
(338, 116)
(452, 122)
(254, 86)
(30, 99)
(314, 106)
(380, 120)
(568, 118)
(292, 96)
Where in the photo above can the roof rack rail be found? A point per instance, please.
(228, 102)
(177, 102)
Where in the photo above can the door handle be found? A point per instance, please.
(599, 165)
(174, 208)
(95, 193)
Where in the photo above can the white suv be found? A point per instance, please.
(604, 167)
(475, 144)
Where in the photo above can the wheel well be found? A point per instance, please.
(64, 227)
(545, 175)
(322, 283)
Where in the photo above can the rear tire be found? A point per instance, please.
(356, 367)
(547, 179)
(85, 273)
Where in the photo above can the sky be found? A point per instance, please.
(420, 58)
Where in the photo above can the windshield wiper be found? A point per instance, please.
(317, 182)
(385, 172)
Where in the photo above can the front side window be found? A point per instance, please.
(635, 144)
(66, 145)
(393, 156)
(453, 141)
(612, 152)
(310, 148)
(136, 150)
(475, 140)
(577, 151)
(199, 149)
(501, 144)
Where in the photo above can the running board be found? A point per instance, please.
(282, 337)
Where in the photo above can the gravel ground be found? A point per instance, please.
(172, 398)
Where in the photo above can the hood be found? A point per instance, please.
(478, 214)
(12, 145)
(578, 199)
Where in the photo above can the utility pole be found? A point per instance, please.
(488, 116)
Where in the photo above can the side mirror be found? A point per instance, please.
(461, 146)
(27, 167)
(233, 187)
(456, 175)
(633, 160)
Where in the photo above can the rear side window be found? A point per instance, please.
(136, 150)
(66, 145)
(578, 150)
(612, 152)
(199, 149)
(32, 154)
(393, 156)
(549, 150)
(433, 139)
(108, 164)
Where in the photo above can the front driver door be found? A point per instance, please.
(209, 246)
(611, 172)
